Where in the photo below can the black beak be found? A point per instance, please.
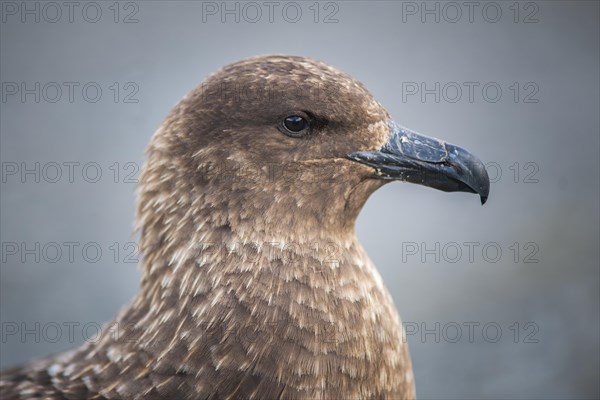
(412, 157)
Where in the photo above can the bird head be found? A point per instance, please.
(289, 142)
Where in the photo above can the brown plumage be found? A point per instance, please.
(254, 284)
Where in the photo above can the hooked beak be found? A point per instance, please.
(415, 158)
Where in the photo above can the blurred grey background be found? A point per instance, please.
(528, 317)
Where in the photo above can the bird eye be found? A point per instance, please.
(295, 125)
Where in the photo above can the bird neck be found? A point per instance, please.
(247, 281)
(189, 218)
(216, 237)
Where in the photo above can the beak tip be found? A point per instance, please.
(485, 192)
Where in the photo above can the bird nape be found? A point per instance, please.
(253, 282)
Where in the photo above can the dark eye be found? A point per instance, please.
(295, 125)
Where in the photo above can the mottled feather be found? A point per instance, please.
(311, 321)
